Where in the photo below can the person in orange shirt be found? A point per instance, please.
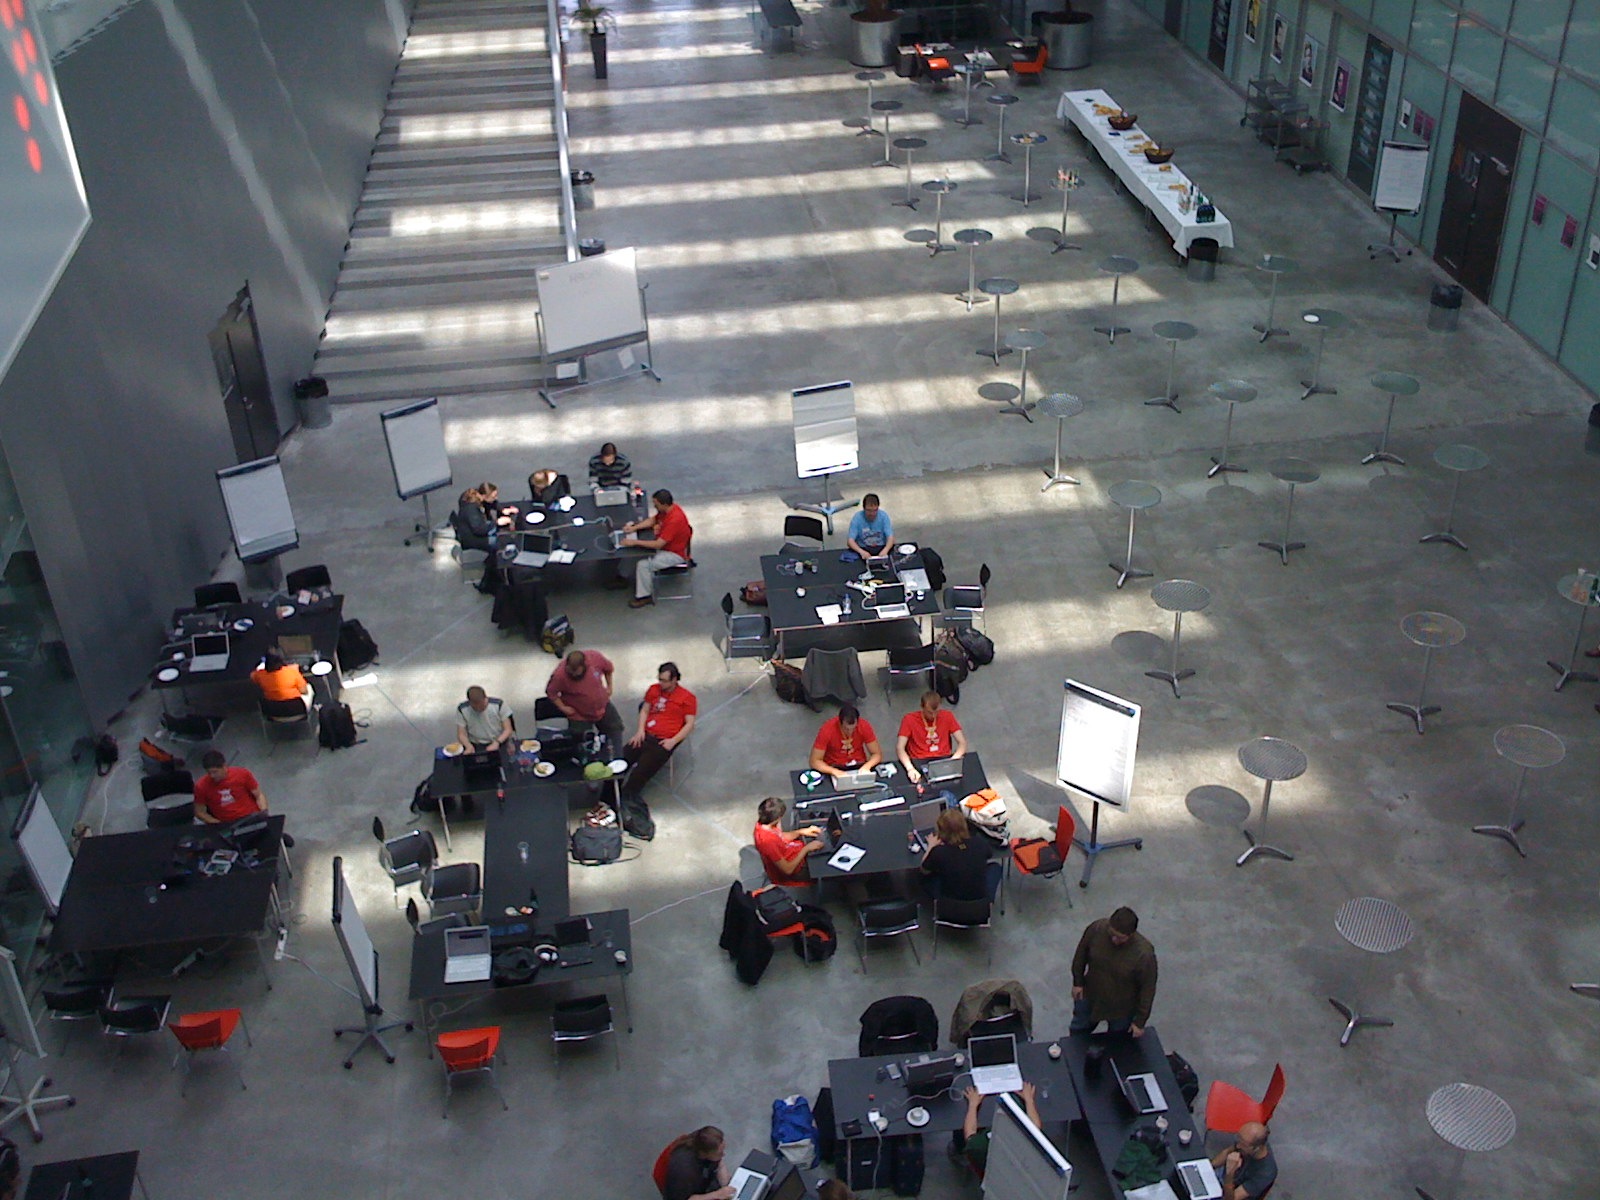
(280, 679)
(845, 743)
(670, 538)
(929, 733)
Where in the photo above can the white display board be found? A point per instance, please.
(1402, 178)
(825, 429)
(590, 302)
(417, 455)
(44, 851)
(359, 953)
(16, 1017)
(257, 500)
(1023, 1164)
(1099, 740)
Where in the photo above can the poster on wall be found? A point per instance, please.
(1252, 21)
(1308, 61)
(1339, 96)
(1280, 35)
(1371, 101)
(1422, 125)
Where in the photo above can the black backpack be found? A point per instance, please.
(596, 845)
(422, 799)
(933, 565)
(636, 819)
(356, 647)
(906, 1163)
(1184, 1075)
(818, 939)
(775, 907)
(978, 646)
(336, 727)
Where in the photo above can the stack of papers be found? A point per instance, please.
(562, 556)
(829, 614)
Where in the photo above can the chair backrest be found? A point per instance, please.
(984, 574)
(888, 914)
(658, 1173)
(76, 998)
(912, 658)
(208, 594)
(966, 913)
(1065, 828)
(163, 816)
(544, 709)
(413, 851)
(1044, 56)
(307, 579)
(168, 783)
(468, 1049)
(284, 710)
(144, 1017)
(586, 1015)
(205, 1030)
(727, 605)
(1006, 1022)
(1274, 1093)
(805, 527)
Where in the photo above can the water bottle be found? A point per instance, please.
(847, 602)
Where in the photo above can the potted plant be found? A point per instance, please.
(877, 34)
(1067, 34)
(600, 22)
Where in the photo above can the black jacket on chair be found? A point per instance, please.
(894, 1016)
(744, 937)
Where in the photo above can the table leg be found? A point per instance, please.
(998, 349)
(1381, 454)
(1173, 675)
(910, 201)
(1021, 406)
(1355, 1020)
(1591, 990)
(1313, 386)
(1268, 329)
(1419, 710)
(1000, 154)
(885, 161)
(1113, 328)
(1567, 673)
(937, 246)
(1508, 832)
(1284, 547)
(627, 1006)
(1260, 846)
(1449, 534)
(1125, 570)
(1054, 478)
(1168, 398)
(1221, 466)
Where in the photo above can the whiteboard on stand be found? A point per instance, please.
(825, 440)
(1402, 178)
(1099, 741)
(417, 455)
(590, 302)
(257, 500)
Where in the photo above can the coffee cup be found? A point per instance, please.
(1185, 1136)
(622, 958)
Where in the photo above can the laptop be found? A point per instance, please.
(924, 816)
(832, 834)
(298, 648)
(748, 1184)
(208, 652)
(610, 497)
(1199, 1179)
(533, 549)
(943, 770)
(467, 957)
(481, 769)
(879, 565)
(994, 1064)
(855, 781)
(930, 1078)
(1142, 1092)
(889, 600)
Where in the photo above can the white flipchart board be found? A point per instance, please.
(44, 851)
(590, 302)
(1099, 740)
(257, 500)
(1023, 1164)
(1402, 178)
(359, 953)
(825, 429)
(417, 454)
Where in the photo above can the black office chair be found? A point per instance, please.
(457, 888)
(405, 859)
(885, 919)
(75, 1000)
(1007, 1022)
(164, 816)
(747, 635)
(421, 928)
(907, 663)
(279, 714)
(168, 783)
(964, 603)
(582, 1020)
(801, 533)
(126, 1017)
(308, 579)
(959, 914)
(208, 595)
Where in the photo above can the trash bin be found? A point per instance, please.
(1203, 259)
(1069, 37)
(1444, 306)
(1591, 443)
(311, 398)
(589, 247)
(582, 191)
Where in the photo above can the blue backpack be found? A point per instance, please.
(794, 1131)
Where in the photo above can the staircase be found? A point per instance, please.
(461, 204)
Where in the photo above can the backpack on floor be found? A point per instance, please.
(422, 798)
(191, 727)
(818, 939)
(789, 682)
(357, 649)
(979, 647)
(336, 727)
(755, 593)
(557, 635)
(794, 1131)
(636, 819)
(596, 845)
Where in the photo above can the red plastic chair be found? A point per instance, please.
(658, 1173)
(1033, 67)
(1027, 863)
(207, 1031)
(1227, 1107)
(469, 1052)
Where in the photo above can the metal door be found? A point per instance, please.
(242, 378)
(1477, 190)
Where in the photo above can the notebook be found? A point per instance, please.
(994, 1064)
(943, 770)
(1142, 1092)
(208, 652)
(533, 549)
(467, 956)
(889, 601)
(1199, 1179)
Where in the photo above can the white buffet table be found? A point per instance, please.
(1148, 182)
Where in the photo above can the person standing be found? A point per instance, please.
(666, 719)
(1113, 976)
(929, 733)
(846, 742)
(483, 721)
(871, 532)
(673, 533)
(226, 793)
(580, 687)
(1247, 1167)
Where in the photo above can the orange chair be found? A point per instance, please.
(658, 1173)
(469, 1052)
(1025, 851)
(1033, 66)
(207, 1031)
(1227, 1107)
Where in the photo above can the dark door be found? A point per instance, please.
(1172, 18)
(242, 377)
(1217, 43)
(1477, 189)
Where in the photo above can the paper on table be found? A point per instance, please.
(829, 614)
(846, 857)
(562, 556)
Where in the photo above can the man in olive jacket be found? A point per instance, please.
(1113, 976)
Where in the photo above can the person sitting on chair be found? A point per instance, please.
(929, 733)
(666, 719)
(956, 866)
(1247, 1167)
(695, 1170)
(580, 687)
(279, 679)
(483, 721)
(610, 467)
(845, 743)
(975, 1141)
(479, 519)
(226, 793)
(546, 486)
(783, 854)
(670, 543)
(871, 532)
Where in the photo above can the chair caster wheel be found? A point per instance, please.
(348, 1066)
(337, 1034)
(390, 1060)
(409, 1028)
(72, 1102)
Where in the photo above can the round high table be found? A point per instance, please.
(910, 145)
(1234, 391)
(1177, 596)
(996, 287)
(1458, 460)
(1272, 760)
(1378, 927)
(1293, 471)
(1116, 266)
(864, 125)
(1432, 631)
(1530, 748)
(1584, 591)
(1396, 384)
(1472, 1119)
(1023, 340)
(1134, 495)
(1066, 182)
(1059, 405)
(1027, 141)
(888, 108)
(972, 73)
(972, 239)
(1322, 320)
(1171, 332)
(938, 189)
(1277, 266)
(1002, 101)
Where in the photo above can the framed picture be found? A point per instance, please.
(1340, 94)
(1252, 21)
(1280, 34)
(1308, 61)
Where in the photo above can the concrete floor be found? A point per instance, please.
(775, 260)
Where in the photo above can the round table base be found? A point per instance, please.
(1355, 1020)
(1417, 712)
(1260, 848)
(1218, 467)
(1506, 833)
(1045, 233)
(1172, 677)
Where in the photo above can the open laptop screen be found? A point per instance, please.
(888, 594)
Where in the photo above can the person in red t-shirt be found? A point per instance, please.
(930, 732)
(783, 854)
(581, 688)
(666, 719)
(226, 793)
(845, 743)
(670, 543)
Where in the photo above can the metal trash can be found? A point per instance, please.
(311, 398)
(1203, 259)
(589, 247)
(1591, 443)
(1444, 306)
(582, 190)
(1069, 37)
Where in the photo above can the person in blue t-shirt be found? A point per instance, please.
(871, 531)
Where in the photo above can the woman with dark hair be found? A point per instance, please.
(610, 466)
(280, 679)
(957, 864)
(478, 521)
(783, 854)
(695, 1170)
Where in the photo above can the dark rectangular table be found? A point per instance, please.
(117, 896)
(794, 617)
(319, 621)
(584, 528)
(853, 1080)
(100, 1177)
